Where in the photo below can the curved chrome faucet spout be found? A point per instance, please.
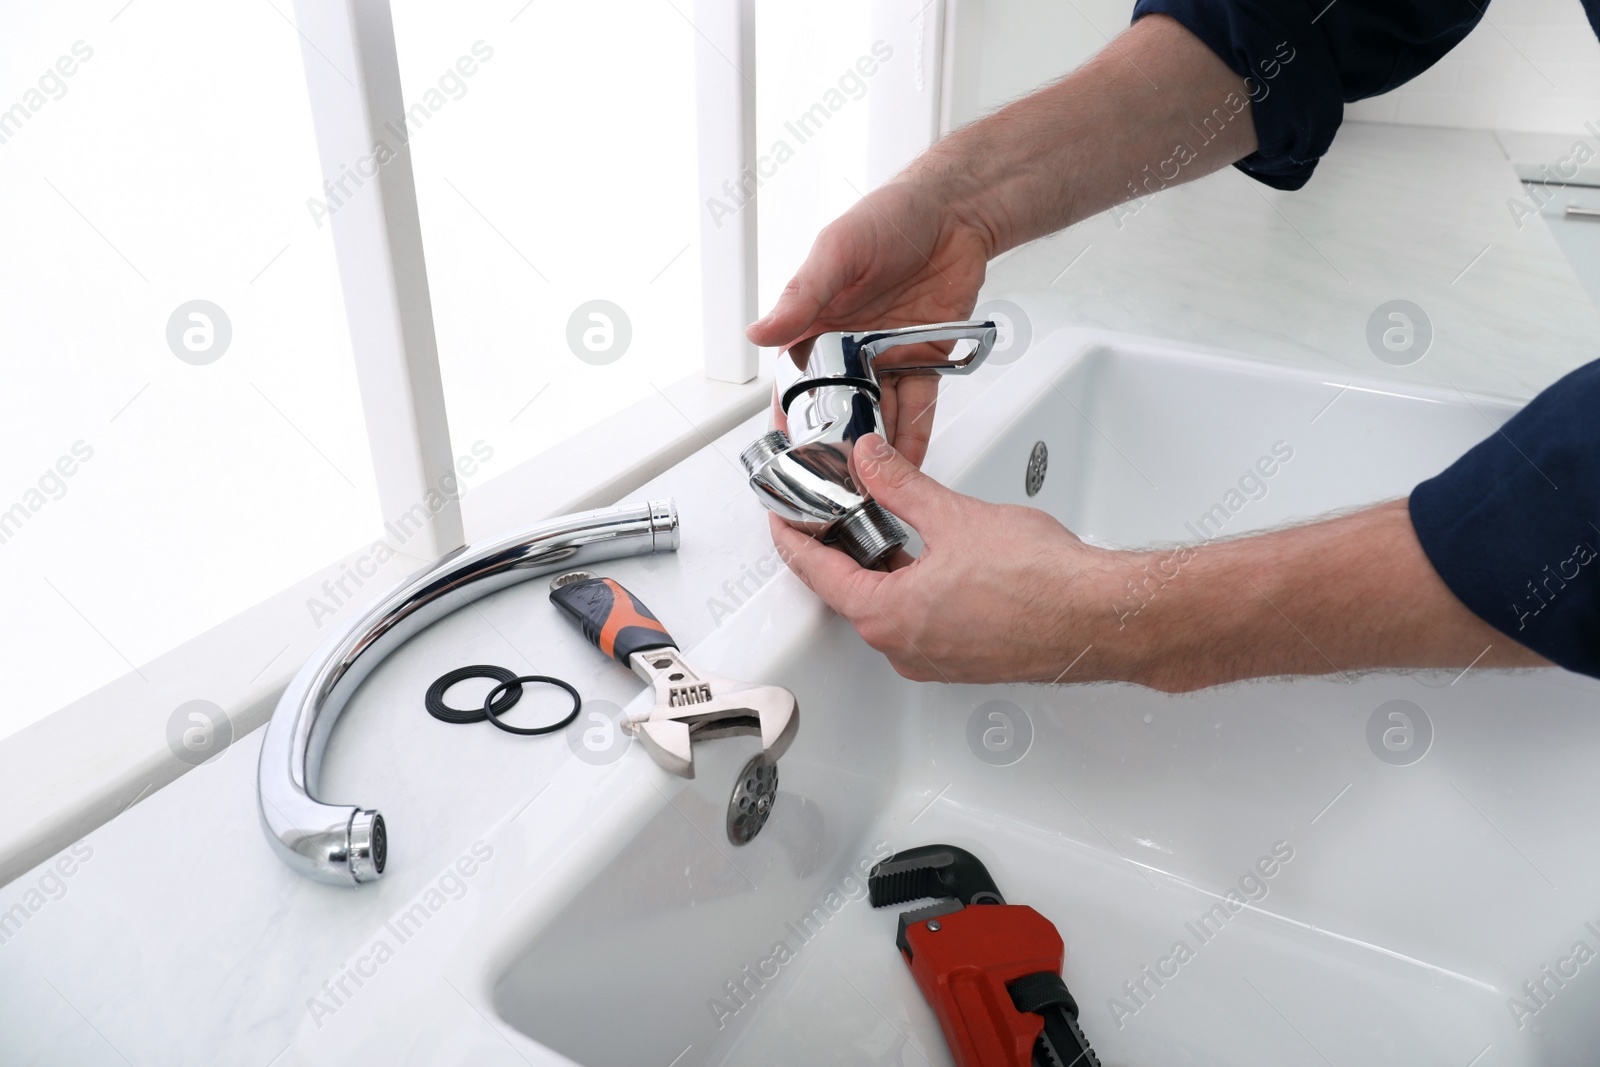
(348, 845)
(802, 469)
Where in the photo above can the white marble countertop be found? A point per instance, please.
(173, 934)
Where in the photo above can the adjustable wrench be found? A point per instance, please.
(991, 971)
(690, 705)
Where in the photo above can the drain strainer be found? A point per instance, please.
(1037, 462)
(752, 800)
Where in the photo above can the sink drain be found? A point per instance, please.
(752, 800)
(1037, 462)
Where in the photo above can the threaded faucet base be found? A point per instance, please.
(869, 533)
(763, 448)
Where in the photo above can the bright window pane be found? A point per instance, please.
(150, 159)
(554, 149)
(806, 54)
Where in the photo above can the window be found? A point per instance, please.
(182, 431)
(554, 148)
(812, 127)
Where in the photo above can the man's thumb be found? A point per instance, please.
(895, 482)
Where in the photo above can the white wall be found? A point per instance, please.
(1531, 65)
(1003, 49)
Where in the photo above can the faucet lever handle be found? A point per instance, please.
(983, 333)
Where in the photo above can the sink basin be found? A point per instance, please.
(1270, 873)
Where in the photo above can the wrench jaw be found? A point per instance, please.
(779, 728)
(695, 706)
(669, 743)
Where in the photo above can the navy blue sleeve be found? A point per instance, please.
(1305, 59)
(1513, 526)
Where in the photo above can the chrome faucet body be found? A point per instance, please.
(346, 844)
(802, 470)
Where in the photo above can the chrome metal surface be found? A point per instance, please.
(695, 706)
(754, 794)
(763, 448)
(870, 533)
(1038, 463)
(348, 845)
(802, 469)
(983, 333)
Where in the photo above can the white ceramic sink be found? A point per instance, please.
(1407, 902)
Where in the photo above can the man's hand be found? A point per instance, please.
(1008, 594)
(915, 251)
(999, 592)
(902, 256)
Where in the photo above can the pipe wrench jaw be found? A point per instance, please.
(952, 877)
(695, 706)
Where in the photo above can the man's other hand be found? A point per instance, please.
(900, 257)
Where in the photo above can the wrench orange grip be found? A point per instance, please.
(612, 618)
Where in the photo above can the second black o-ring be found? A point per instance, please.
(445, 713)
(494, 712)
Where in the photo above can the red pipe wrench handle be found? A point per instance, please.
(962, 962)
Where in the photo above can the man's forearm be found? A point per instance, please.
(1155, 97)
(1344, 595)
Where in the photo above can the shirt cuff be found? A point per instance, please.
(1513, 526)
(1292, 80)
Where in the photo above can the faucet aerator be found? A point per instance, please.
(369, 846)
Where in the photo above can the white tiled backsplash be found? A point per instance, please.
(1528, 65)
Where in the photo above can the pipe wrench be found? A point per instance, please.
(991, 971)
(690, 705)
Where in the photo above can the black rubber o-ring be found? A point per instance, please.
(445, 713)
(529, 731)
